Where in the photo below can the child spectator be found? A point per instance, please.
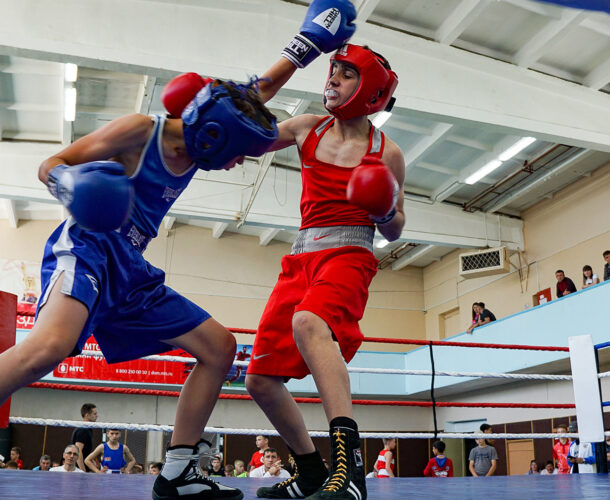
(440, 465)
(565, 285)
(262, 443)
(482, 459)
(229, 470)
(240, 469)
(588, 278)
(115, 457)
(154, 468)
(606, 255)
(385, 460)
(561, 450)
(11, 464)
(215, 469)
(16, 456)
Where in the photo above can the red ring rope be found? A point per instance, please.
(366, 402)
(383, 340)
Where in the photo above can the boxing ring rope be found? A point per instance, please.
(382, 371)
(245, 397)
(269, 432)
(310, 400)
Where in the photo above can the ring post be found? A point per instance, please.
(587, 394)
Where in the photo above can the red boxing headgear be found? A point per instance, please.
(375, 88)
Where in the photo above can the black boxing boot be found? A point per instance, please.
(309, 475)
(346, 479)
(181, 477)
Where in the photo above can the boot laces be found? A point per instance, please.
(338, 476)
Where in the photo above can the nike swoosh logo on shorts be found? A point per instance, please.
(255, 357)
(316, 238)
(307, 166)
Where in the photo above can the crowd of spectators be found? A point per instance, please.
(480, 316)
(566, 286)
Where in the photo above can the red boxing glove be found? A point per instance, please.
(181, 90)
(373, 188)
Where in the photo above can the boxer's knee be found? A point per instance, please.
(309, 329)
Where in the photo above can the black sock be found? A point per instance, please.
(344, 422)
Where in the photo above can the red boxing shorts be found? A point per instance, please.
(332, 284)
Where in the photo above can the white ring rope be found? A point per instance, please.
(382, 371)
(267, 432)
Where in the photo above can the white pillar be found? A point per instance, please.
(587, 394)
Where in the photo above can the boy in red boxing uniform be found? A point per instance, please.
(323, 287)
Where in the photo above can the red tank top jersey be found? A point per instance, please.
(381, 465)
(323, 201)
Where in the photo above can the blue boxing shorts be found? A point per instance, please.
(131, 310)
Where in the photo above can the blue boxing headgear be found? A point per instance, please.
(216, 132)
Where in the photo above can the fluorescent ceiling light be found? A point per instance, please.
(381, 118)
(70, 72)
(70, 104)
(483, 171)
(516, 148)
(382, 243)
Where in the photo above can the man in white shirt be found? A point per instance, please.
(272, 467)
(70, 457)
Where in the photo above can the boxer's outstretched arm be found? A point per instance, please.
(294, 131)
(275, 78)
(120, 135)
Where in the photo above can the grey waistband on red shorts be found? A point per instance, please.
(313, 239)
(134, 236)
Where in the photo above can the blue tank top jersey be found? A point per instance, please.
(156, 186)
(113, 459)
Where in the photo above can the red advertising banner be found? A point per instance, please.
(138, 371)
(8, 310)
(142, 371)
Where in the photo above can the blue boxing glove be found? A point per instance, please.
(98, 194)
(327, 26)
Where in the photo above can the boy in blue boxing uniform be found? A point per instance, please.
(114, 457)
(118, 183)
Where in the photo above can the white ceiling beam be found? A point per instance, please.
(168, 222)
(218, 229)
(268, 235)
(464, 13)
(411, 257)
(425, 144)
(11, 213)
(599, 77)
(435, 224)
(554, 31)
(452, 185)
(507, 97)
(300, 107)
(436, 168)
(145, 94)
(542, 9)
(410, 127)
(594, 24)
(365, 8)
(470, 143)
